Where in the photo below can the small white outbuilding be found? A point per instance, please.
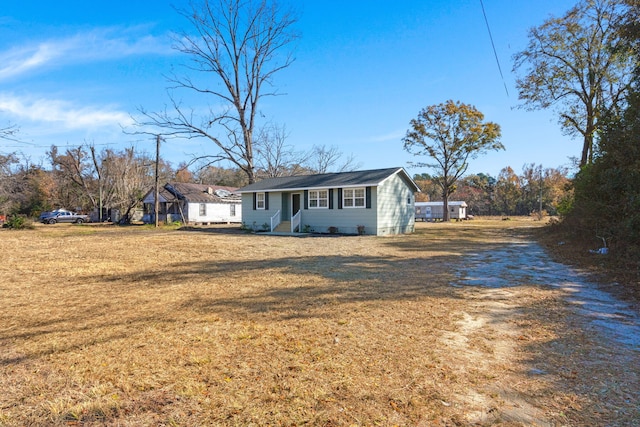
(432, 211)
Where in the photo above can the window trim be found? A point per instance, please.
(261, 202)
(318, 199)
(202, 209)
(353, 198)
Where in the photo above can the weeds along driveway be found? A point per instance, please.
(457, 324)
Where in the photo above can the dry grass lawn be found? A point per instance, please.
(128, 326)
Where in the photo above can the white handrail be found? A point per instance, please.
(295, 222)
(275, 221)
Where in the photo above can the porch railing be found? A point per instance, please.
(295, 222)
(275, 221)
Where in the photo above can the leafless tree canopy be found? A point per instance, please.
(274, 156)
(107, 178)
(234, 47)
(323, 159)
(577, 65)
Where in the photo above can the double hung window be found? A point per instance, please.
(318, 199)
(259, 200)
(353, 198)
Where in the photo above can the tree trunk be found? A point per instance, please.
(445, 205)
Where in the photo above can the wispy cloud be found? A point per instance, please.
(391, 136)
(95, 45)
(62, 114)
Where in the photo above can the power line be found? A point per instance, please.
(494, 48)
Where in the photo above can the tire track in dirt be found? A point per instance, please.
(562, 350)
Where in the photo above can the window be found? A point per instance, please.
(233, 210)
(259, 200)
(353, 198)
(203, 209)
(318, 199)
(409, 199)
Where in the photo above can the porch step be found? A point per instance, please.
(284, 227)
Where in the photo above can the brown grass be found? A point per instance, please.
(136, 326)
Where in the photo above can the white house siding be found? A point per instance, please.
(395, 207)
(215, 212)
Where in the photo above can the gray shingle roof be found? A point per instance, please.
(328, 180)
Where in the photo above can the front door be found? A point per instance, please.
(295, 204)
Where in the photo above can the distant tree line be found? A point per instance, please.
(537, 190)
(85, 178)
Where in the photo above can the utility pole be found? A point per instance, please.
(157, 187)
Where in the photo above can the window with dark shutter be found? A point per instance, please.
(260, 201)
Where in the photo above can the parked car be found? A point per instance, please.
(63, 216)
(44, 215)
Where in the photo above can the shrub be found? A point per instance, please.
(17, 222)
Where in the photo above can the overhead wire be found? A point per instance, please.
(495, 53)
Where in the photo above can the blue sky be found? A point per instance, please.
(76, 71)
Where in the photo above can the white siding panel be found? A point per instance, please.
(395, 215)
(215, 213)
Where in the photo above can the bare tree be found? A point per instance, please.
(274, 157)
(216, 175)
(239, 43)
(129, 177)
(323, 159)
(579, 65)
(106, 179)
(75, 175)
(7, 184)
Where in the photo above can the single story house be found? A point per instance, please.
(429, 211)
(377, 202)
(194, 204)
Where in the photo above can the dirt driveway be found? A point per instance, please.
(578, 347)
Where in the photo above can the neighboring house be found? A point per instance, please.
(377, 202)
(430, 211)
(194, 204)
